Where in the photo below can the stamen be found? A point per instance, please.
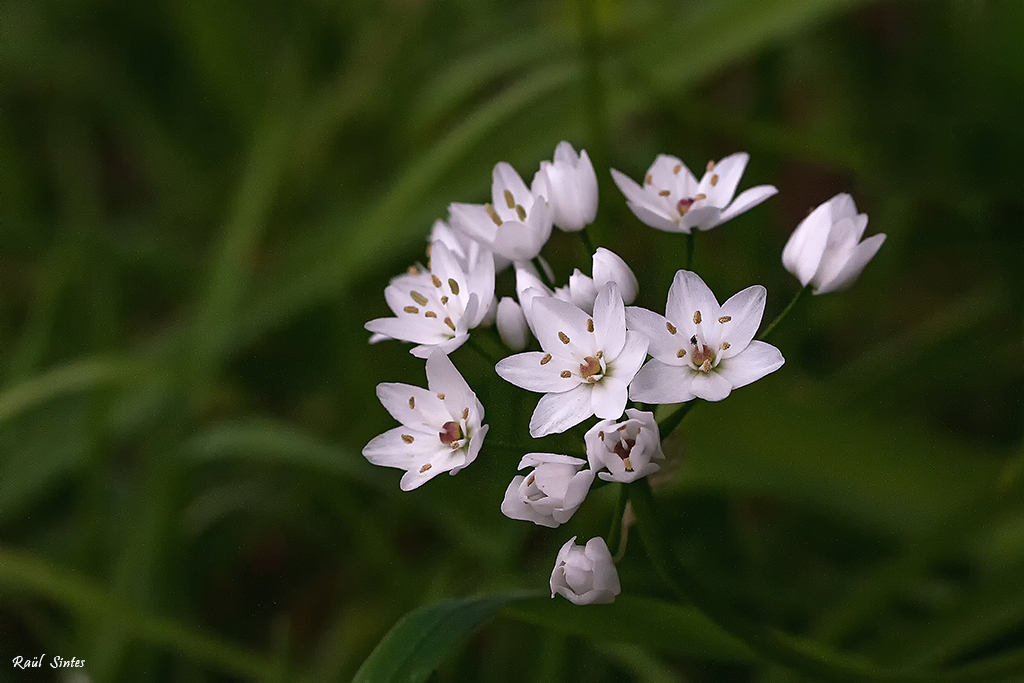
(711, 166)
(450, 433)
(449, 323)
(693, 340)
(700, 196)
(566, 374)
(600, 355)
(413, 270)
(465, 413)
(418, 298)
(441, 396)
(407, 438)
(648, 179)
(412, 402)
(564, 337)
(430, 314)
(680, 353)
(521, 212)
(493, 214)
(444, 300)
(453, 285)
(530, 480)
(724, 319)
(706, 366)
(683, 206)
(411, 309)
(628, 464)
(600, 435)
(664, 193)
(696, 317)
(510, 200)
(714, 180)
(425, 468)
(456, 445)
(725, 345)
(435, 279)
(670, 327)
(430, 248)
(677, 169)
(546, 359)
(590, 325)
(590, 367)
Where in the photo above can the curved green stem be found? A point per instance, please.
(543, 274)
(691, 242)
(785, 311)
(669, 424)
(807, 657)
(615, 532)
(588, 244)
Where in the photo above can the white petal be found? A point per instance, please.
(687, 295)
(445, 460)
(747, 200)
(473, 221)
(608, 398)
(663, 344)
(447, 346)
(504, 178)
(574, 496)
(745, 310)
(644, 206)
(634, 352)
(515, 241)
(556, 413)
(803, 251)
(729, 171)
(582, 290)
(526, 370)
(661, 384)
(864, 252)
(391, 450)
(609, 267)
(511, 323)
(710, 386)
(410, 329)
(555, 321)
(701, 218)
(413, 406)
(535, 459)
(756, 361)
(609, 321)
(444, 378)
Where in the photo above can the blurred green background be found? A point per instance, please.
(200, 206)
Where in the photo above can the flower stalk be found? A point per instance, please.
(785, 311)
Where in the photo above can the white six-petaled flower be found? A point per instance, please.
(629, 450)
(570, 185)
(586, 364)
(551, 493)
(701, 349)
(672, 199)
(585, 575)
(439, 306)
(825, 251)
(516, 225)
(441, 428)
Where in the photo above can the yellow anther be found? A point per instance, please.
(700, 196)
(453, 285)
(677, 169)
(520, 212)
(564, 337)
(664, 193)
(412, 402)
(418, 298)
(706, 366)
(444, 300)
(407, 438)
(449, 323)
(465, 413)
(435, 280)
(714, 180)
(724, 319)
(725, 345)
(711, 166)
(670, 327)
(546, 359)
(430, 314)
(510, 200)
(680, 353)
(648, 179)
(590, 325)
(493, 214)
(411, 309)
(696, 317)
(566, 374)
(441, 396)
(425, 468)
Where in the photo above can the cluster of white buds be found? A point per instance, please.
(593, 352)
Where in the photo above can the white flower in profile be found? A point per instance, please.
(551, 493)
(586, 365)
(439, 306)
(467, 250)
(516, 225)
(570, 185)
(608, 268)
(825, 251)
(511, 323)
(585, 575)
(441, 430)
(672, 200)
(701, 349)
(628, 450)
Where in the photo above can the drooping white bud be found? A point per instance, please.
(511, 322)
(549, 494)
(570, 185)
(585, 575)
(609, 267)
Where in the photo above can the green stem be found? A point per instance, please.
(542, 273)
(669, 424)
(588, 244)
(691, 242)
(789, 307)
(806, 657)
(615, 532)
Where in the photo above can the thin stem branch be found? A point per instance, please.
(615, 532)
(691, 242)
(668, 425)
(588, 244)
(542, 273)
(473, 344)
(789, 307)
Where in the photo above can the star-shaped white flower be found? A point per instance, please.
(586, 365)
(441, 425)
(672, 200)
(570, 185)
(825, 251)
(549, 494)
(437, 307)
(516, 225)
(701, 349)
(585, 575)
(629, 450)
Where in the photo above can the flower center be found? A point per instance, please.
(450, 434)
(703, 358)
(683, 206)
(591, 369)
(623, 449)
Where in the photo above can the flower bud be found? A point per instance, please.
(570, 184)
(609, 267)
(511, 322)
(825, 251)
(585, 575)
(551, 493)
(628, 450)
(582, 291)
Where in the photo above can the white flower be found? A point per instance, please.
(463, 247)
(825, 251)
(511, 322)
(437, 307)
(551, 493)
(516, 225)
(585, 575)
(586, 365)
(441, 425)
(570, 185)
(671, 199)
(701, 349)
(627, 449)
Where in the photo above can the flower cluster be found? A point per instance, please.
(592, 351)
